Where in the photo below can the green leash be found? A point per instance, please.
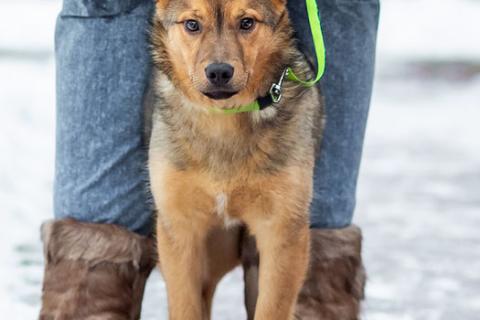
(275, 93)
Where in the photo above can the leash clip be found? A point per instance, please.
(276, 89)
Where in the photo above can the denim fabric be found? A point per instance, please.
(98, 8)
(102, 71)
(350, 30)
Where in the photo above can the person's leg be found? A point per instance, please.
(103, 67)
(335, 281)
(97, 259)
(350, 29)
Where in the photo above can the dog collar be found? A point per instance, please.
(274, 95)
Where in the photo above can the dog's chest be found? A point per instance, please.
(221, 210)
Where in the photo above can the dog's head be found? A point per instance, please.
(222, 53)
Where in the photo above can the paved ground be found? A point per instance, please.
(419, 198)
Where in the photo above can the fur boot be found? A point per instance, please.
(334, 286)
(94, 271)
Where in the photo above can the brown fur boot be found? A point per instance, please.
(335, 282)
(94, 271)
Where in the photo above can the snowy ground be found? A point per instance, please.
(419, 192)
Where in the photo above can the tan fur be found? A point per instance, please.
(209, 171)
(256, 56)
(335, 282)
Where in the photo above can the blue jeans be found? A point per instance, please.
(103, 68)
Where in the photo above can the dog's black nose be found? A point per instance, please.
(219, 74)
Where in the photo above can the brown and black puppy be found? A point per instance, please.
(211, 172)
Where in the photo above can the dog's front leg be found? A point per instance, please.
(283, 247)
(182, 253)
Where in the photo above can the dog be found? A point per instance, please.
(214, 174)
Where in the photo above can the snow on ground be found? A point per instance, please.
(419, 190)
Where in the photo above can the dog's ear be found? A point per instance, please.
(162, 4)
(279, 4)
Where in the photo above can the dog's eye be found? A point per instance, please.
(247, 24)
(192, 26)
